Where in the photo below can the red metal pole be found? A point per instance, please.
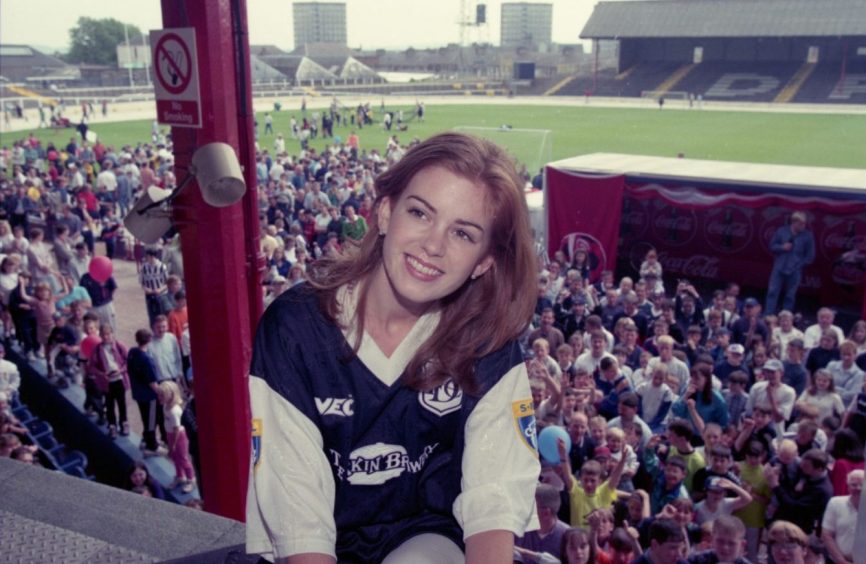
(217, 266)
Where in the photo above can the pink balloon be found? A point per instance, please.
(88, 344)
(100, 269)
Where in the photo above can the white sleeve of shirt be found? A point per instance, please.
(830, 516)
(500, 469)
(290, 499)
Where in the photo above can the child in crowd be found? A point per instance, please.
(577, 547)
(616, 443)
(598, 430)
(758, 427)
(820, 399)
(656, 399)
(680, 436)
(716, 504)
(736, 396)
(753, 515)
(728, 538)
(592, 492)
(721, 465)
(668, 480)
(178, 443)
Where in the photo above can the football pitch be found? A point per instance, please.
(824, 140)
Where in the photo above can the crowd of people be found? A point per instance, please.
(57, 291)
(696, 431)
(691, 426)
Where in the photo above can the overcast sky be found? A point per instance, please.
(390, 24)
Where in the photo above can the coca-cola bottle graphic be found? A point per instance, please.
(850, 237)
(673, 236)
(727, 229)
(626, 212)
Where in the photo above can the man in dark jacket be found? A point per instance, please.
(803, 501)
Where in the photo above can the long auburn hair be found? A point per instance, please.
(483, 314)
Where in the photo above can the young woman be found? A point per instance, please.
(701, 404)
(139, 477)
(392, 416)
(820, 398)
(576, 546)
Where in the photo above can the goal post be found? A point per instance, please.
(532, 148)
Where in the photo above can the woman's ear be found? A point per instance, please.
(483, 266)
(383, 214)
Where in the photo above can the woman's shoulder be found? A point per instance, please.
(295, 316)
(491, 367)
(295, 304)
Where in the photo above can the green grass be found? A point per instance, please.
(827, 140)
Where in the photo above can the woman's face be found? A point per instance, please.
(698, 380)
(788, 552)
(822, 381)
(437, 235)
(138, 477)
(577, 550)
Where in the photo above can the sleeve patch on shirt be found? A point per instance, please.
(257, 442)
(524, 422)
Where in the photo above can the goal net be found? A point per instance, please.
(532, 148)
(669, 95)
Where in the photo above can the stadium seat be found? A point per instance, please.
(67, 458)
(38, 428)
(48, 442)
(22, 413)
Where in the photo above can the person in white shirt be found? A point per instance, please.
(786, 332)
(590, 359)
(165, 352)
(106, 180)
(839, 526)
(847, 376)
(812, 336)
(773, 395)
(675, 366)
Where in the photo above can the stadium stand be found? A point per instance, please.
(770, 51)
(632, 82)
(738, 82)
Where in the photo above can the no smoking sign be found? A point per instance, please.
(175, 65)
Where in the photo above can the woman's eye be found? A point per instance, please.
(417, 212)
(465, 236)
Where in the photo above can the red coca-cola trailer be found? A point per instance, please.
(710, 221)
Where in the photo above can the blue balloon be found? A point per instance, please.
(547, 440)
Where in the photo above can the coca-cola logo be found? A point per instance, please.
(774, 220)
(692, 266)
(850, 268)
(841, 236)
(635, 218)
(674, 227)
(728, 229)
(637, 251)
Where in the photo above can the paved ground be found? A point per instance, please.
(131, 316)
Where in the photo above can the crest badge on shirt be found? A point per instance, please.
(257, 442)
(443, 400)
(524, 422)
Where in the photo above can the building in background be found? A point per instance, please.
(526, 24)
(319, 22)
